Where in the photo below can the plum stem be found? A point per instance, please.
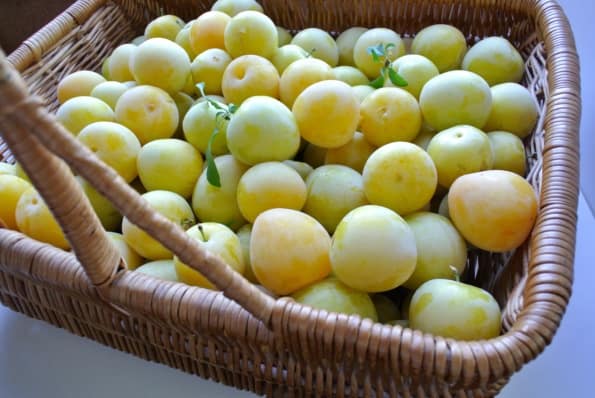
(455, 273)
(202, 232)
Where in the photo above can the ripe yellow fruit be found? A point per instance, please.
(251, 32)
(7, 168)
(509, 152)
(346, 42)
(165, 26)
(11, 189)
(513, 110)
(301, 74)
(183, 40)
(79, 112)
(35, 220)
(109, 216)
(208, 67)
(319, 44)
(286, 55)
(244, 234)
(373, 37)
(207, 31)
(149, 112)
(362, 91)
(417, 70)
(198, 126)
(354, 154)
(390, 114)
(119, 63)
(79, 83)
(109, 92)
(131, 258)
(233, 7)
(496, 60)
(249, 76)
(442, 44)
(327, 113)
(160, 269)
(284, 36)
(350, 75)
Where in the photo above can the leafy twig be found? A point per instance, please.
(380, 53)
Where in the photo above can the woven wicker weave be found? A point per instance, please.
(242, 337)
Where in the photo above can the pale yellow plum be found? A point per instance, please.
(161, 63)
(183, 102)
(20, 172)
(373, 37)
(354, 154)
(198, 125)
(346, 43)
(301, 74)
(284, 36)
(160, 269)
(362, 91)
(286, 55)
(219, 204)
(417, 70)
(233, 7)
(79, 112)
(34, 219)
(289, 250)
(131, 258)
(373, 249)
(390, 114)
(11, 189)
(314, 155)
(443, 207)
(424, 137)
(270, 185)
(170, 205)
(334, 296)
(208, 67)
(169, 164)
(455, 310)
(109, 216)
(149, 112)
(261, 130)
(165, 26)
(130, 83)
(216, 239)
(460, 150)
(439, 247)
(217, 98)
(208, 31)
(456, 97)
(442, 44)
(249, 76)
(7, 169)
(350, 75)
(302, 168)
(327, 113)
(105, 69)
(332, 192)
(138, 40)
(319, 44)
(183, 40)
(244, 234)
(109, 92)
(513, 110)
(400, 176)
(115, 145)
(509, 152)
(407, 42)
(119, 63)
(386, 309)
(496, 60)
(79, 83)
(494, 210)
(251, 32)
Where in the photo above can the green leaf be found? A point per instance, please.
(212, 173)
(376, 52)
(396, 79)
(201, 87)
(389, 46)
(232, 108)
(378, 82)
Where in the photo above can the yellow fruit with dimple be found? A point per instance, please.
(513, 110)
(289, 250)
(354, 154)
(373, 37)
(319, 44)
(165, 26)
(119, 63)
(208, 68)
(170, 205)
(207, 31)
(34, 219)
(248, 76)
(390, 114)
(216, 239)
(442, 44)
(79, 112)
(346, 42)
(161, 63)
(301, 74)
(417, 70)
(131, 258)
(109, 92)
(454, 98)
(350, 75)
(115, 144)
(77, 84)
(11, 189)
(400, 176)
(286, 55)
(270, 185)
(251, 32)
(332, 192)
(327, 113)
(233, 7)
(496, 60)
(149, 112)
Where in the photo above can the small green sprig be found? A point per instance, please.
(380, 53)
(221, 112)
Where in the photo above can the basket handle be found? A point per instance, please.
(32, 133)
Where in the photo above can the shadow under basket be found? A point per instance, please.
(239, 336)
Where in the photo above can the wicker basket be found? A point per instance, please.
(242, 337)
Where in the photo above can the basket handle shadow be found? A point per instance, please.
(44, 148)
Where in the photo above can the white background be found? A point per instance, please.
(38, 360)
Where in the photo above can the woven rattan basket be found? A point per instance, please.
(242, 337)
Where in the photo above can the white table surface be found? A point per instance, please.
(39, 360)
